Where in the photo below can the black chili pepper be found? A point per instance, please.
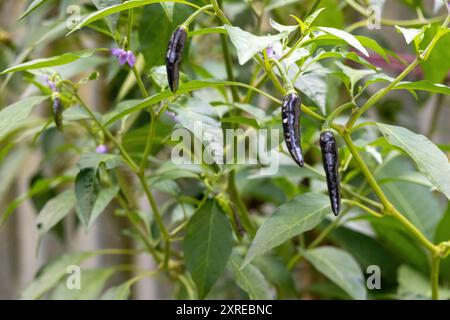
(57, 113)
(174, 56)
(290, 115)
(331, 165)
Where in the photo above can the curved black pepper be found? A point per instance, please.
(174, 56)
(331, 165)
(290, 115)
(57, 113)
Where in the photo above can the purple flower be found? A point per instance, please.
(124, 56)
(50, 83)
(101, 149)
(275, 51)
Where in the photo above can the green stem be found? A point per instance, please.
(435, 263)
(388, 208)
(244, 215)
(130, 27)
(337, 112)
(139, 82)
(157, 216)
(365, 208)
(284, 75)
(192, 17)
(141, 177)
(107, 133)
(299, 256)
(389, 22)
(380, 94)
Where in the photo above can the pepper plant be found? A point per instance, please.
(230, 229)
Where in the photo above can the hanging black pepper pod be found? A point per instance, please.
(57, 113)
(290, 115)
(174, 56)
(331, 167)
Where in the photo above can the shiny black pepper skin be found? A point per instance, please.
(174, 56)
(290, 115)
(331, 165)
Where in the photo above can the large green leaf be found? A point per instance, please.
(247, 44)
(184, 88)
(111, 20)
(95, 159)
(155, 29)
(54, 211)
(413, 285)
(341, 268)
(14, 115)
(60, 60)
(291, 219)
(249, 279)
(122, 7)
(347, 37)
(207, 245)
(120, 292)
(423, 85)
(431, 161)
(437, 66)
(105, 196)
(367, 251)
(86, 190)
(50, 275)
(35, 4)
(92, 283)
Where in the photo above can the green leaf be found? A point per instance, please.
(94, 160)
(155, 30)
(354, 75)
(276, 272)
(54, 211)
(282, 28)
(423, 85)
(315, 86)
(247, 44)
(430, 160)
(437, 65)
(105, 196)
(86, 191)
(33, 6)
(184, 88)
(122, 7)
(50, 275)
(341, 268)
(63, 59)
(413, 285)
(207, 245)
(92, 283)
(313, 16)
(367, 251)
(410, 34)
(14, 115)
(373, 45)
(111, 21)
(347, 37)
(249, 279)
(120, 292)
(292, 218)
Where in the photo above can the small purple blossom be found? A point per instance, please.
(101, 149)
(124, 56)
(50, 83)
(275, 51)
